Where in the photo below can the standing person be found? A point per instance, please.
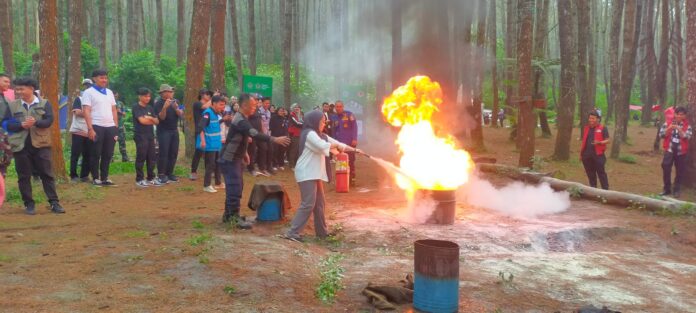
(5, 147)
(122, 111)
(279, 128)
(203, 103)
(255, 121)
(81, 144)
(101, 116)
(4, 102)
(294, 130)
(265, 152)
(346, 131)
(234, 155)
(501, 117)
(676, 135)
(310, 173)
(144, 120)
(328, 129)
(209, 140)
(595, 138)
(168, 111)
(30, 139)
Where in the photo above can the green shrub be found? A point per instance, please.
(630, 159)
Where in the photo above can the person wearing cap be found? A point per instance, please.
(122, 111)
(81, 144)
(168, 111)
(101, 116)
(30, 139)
(675, 134)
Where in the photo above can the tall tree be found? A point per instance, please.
(584, 44)
(237, 49)
(6, 38)
(286, 9)
(180, 31)
(649, 63)
(631, 33)
(396, 78)
(296, 42)
(614, 67)
(27, 33)
(252, 37)
(195, 64)
(527, 121)
(217, 79)
(48, 76)
(477, 131)
(160, 30)
(677, 44)
(663, 62)
(133, 31)
(565, 107)
(493, 42)
(691, 88)
(540, 38)
(101, 32)
(75, 58)
(119, 28)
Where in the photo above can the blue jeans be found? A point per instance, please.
(233, 172)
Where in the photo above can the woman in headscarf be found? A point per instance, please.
(310, 173)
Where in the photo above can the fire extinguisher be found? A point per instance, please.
(342, 173)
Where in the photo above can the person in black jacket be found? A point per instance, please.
(253, 149)
(279, 128)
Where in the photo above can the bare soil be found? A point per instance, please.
(125, 249)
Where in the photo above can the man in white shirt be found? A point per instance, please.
(100, 113)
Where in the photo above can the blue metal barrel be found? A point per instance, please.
(436, 279)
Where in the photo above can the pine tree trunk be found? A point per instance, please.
(628, 58)
(566, 105)
(540, 39)
(101, 32)
(614, 67)
(6, 36)
(236, 44)
(493, 48)
(217, 79)
(677, 46)
(296, 43)
(511, 108)
(649, 62)
(584, 39)
(27, 32)
(527, 120)
(195, 65)
(181, 31)
(477, 131)
(591, 57)
(691, 88)
(286, 7)
(252, 38)
(48, 77)
(141, 24)
(74, 60)
(133, 31)
(119, 28)
(160, 31)
(663, 62)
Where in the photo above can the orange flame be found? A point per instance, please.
(431, 162)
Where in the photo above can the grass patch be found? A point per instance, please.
(628, 159)
(230, 290)
(117, 168)
(136, 234)
(14, 197)
(93, 193)
(186, 188)
(198, 225)
(5, 258)
(331, 273)
(198, 240)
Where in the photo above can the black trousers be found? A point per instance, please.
(670, 159)
(279, 153)
(103, 151)
(80, 147)
(211, 167)
(262, 155)
(197, 154)
(251, 150)
(293, 151)
(594, 167)
(144, 153)
(168, 151)
(35, 160)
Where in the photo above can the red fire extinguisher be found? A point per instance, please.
(342, 173)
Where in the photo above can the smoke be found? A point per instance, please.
(516, 199)
(419, 210)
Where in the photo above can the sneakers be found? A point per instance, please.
(162, 180)
(193, 176)
(209, 189)
(142, 183)
(295, 238)
(74, 180)
(97, 182)
(56, 208)
(254, 173)
(220, 186)
(155, 182)
(263, 173)
(281, 168)
(274, 168)
(172, 179)
(29, 209)
(108, 183)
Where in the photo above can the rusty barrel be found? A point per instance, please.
(446, 205)
(436, 276)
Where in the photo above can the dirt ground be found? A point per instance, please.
(125, 249)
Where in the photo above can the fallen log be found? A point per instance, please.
(578, 190)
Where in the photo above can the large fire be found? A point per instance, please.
(431, 162)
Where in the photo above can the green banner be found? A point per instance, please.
(262, 85)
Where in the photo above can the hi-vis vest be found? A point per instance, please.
(211, 133)
(40, 137)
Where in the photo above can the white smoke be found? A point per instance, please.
(516, 199)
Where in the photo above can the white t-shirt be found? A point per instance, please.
(102, 114)
(312, 163)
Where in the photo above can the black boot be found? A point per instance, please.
(56, 208)
(30, 209)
